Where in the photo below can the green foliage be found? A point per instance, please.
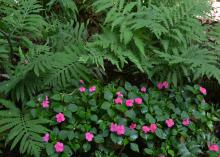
(164, 40)
(21, 129)
(95, 112)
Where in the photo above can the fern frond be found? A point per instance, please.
(23, 131)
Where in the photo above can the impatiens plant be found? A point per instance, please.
(110, 120)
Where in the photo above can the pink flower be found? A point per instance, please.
(119, 94)
(60, 117)
(214, 148)
(145, 129)
(170, 123)
(129, 102)
(138, 101)
(89, 136)
(143, 89)
(45, 103)
(153, 128)
(120, 130)
(160, 85)
(92, 89)
(186, 122)
(219, 155)
(46, 137)
(133, 126)
(118, 100)
(81, 81)
(203, 90)
(165, 84)
(113, 127)
(82, 89)
(59, 147)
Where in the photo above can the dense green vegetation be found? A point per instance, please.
(47, 46)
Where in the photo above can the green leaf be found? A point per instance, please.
(150, 118)
(148, 151)
(94, 118)
(140, 45)
(72, 107)
(56, 97)
(134, 147)
(160, 133)
(171, 152)
(50, 149)
(106, 105)
(131, 114)
(86, 147)
(99, 139)
(108, 95)
(128, 86)
(31, 103)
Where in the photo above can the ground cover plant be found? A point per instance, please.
(161, 47)
(106, 121)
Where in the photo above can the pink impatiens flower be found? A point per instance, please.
(45, 103)
(118, 100)
(169, 123)
(186, 122)
(145, 129)
(160, 85)
(120, 130)
(59, 147)
(81, 81)
(46, 137)
(92, 89)
(89, 136)
(133, 126)
(138, 101)
(165, 84)
(214, 148)
(153, 128)
(113, 127)
(129, 102)
(143, 89)
(203, 90)
(119, 94)
(82, 89)
(60, 117)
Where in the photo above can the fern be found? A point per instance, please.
(166, 39)
(21, 129)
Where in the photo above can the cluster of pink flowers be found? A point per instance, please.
(118, 129)
(45, 103)
(59, 146)
(163, 85)
(170, 122)
(91, 89)
(152, 128)
(214, 148)
(128, 102)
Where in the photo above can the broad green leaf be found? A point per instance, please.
(134, 147)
